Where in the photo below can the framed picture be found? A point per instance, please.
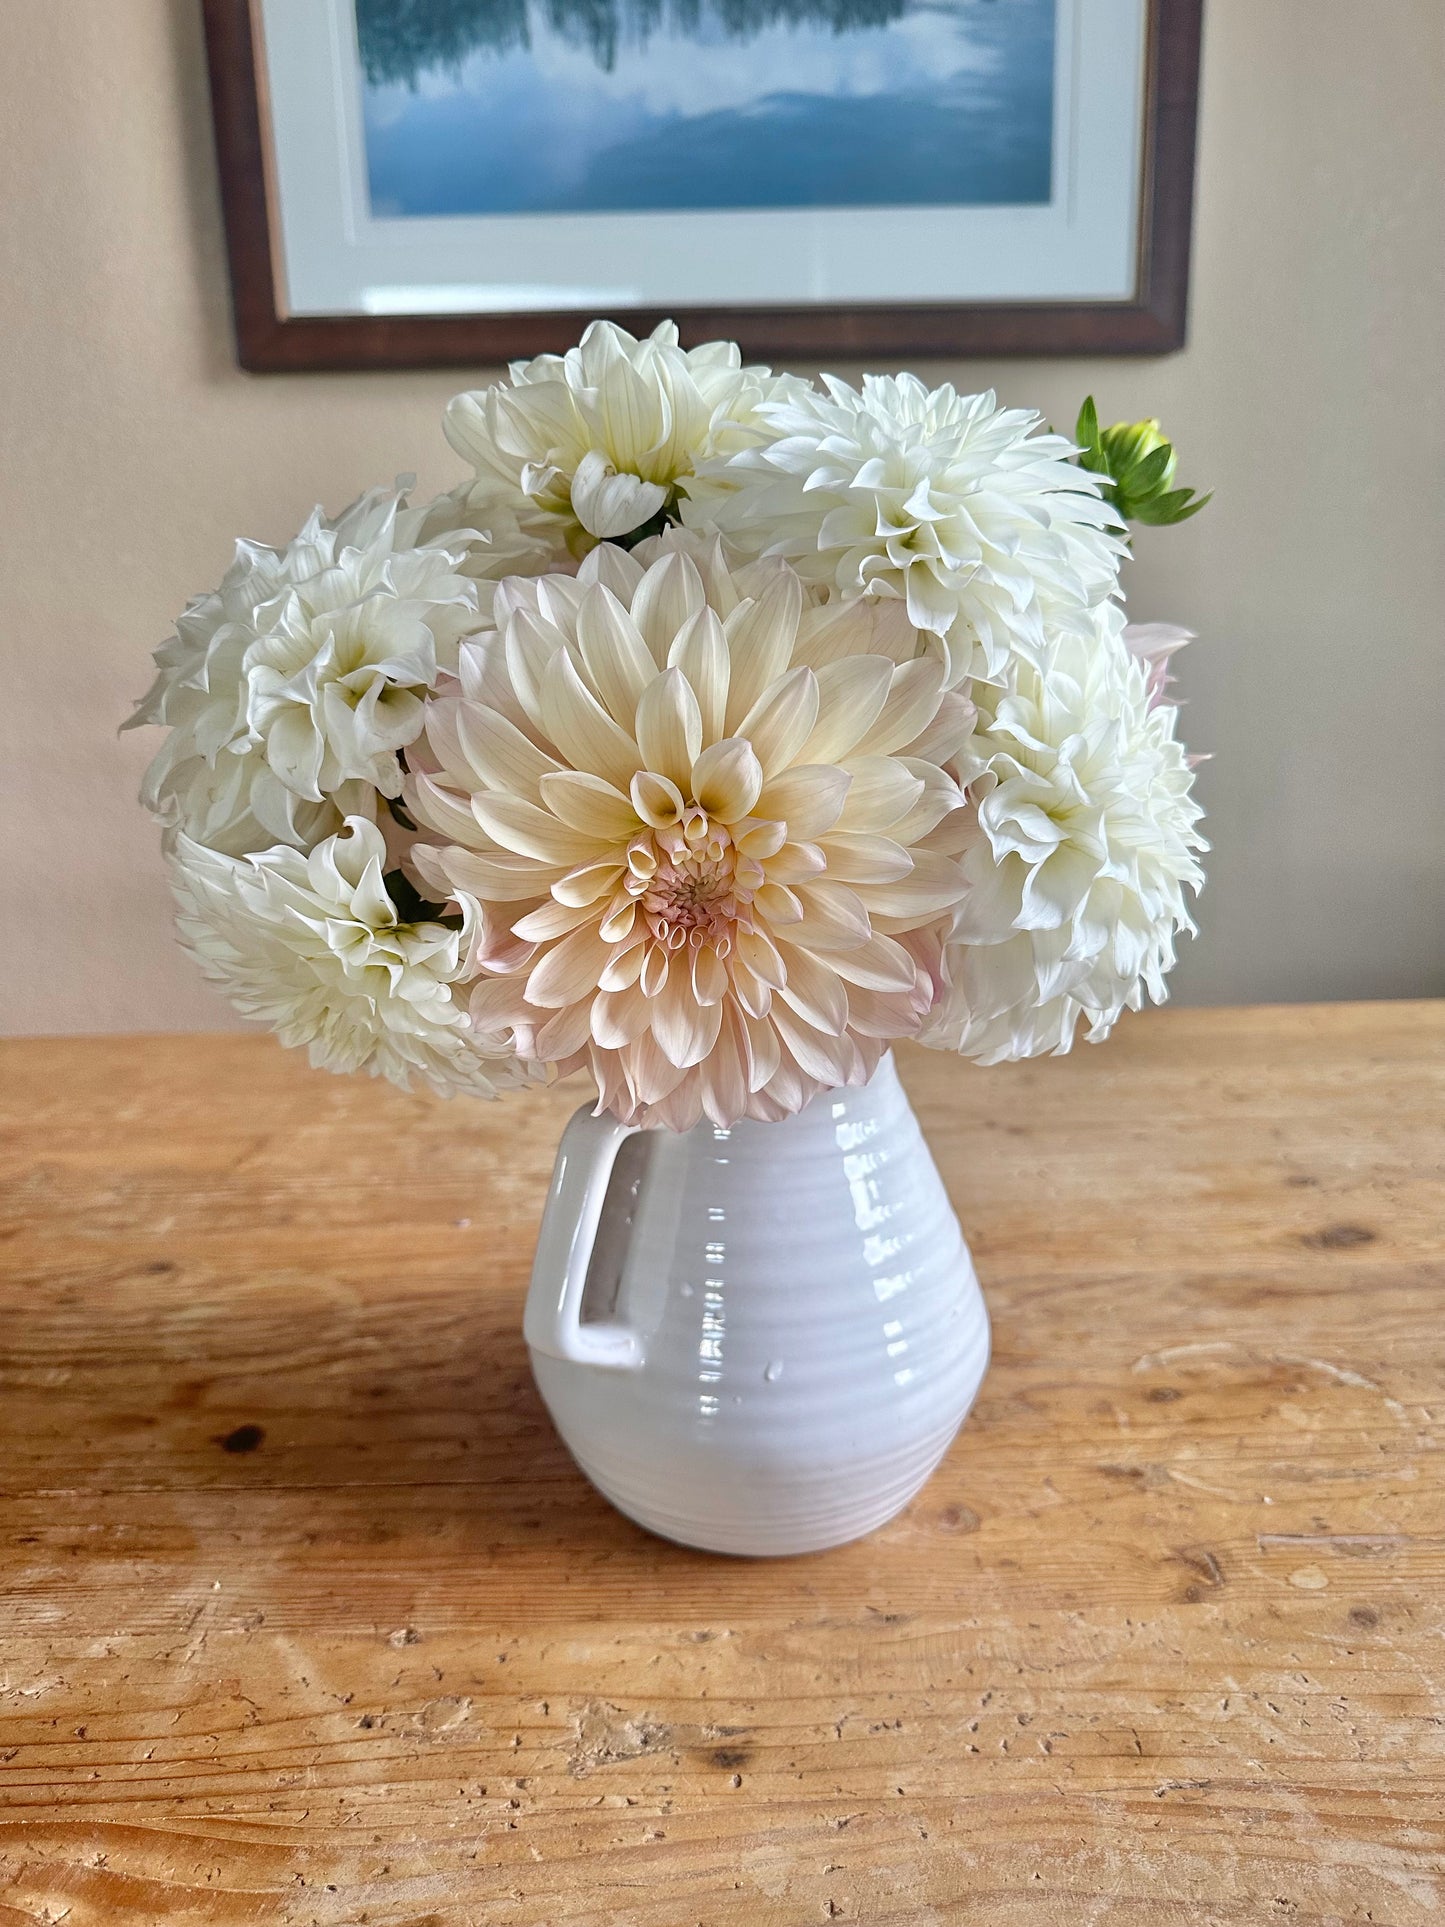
(414, 182)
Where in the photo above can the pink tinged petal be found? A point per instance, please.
(758, 953)
(668, 595)
(814, 990)
(669, 727)
(588, 804)
(828, 1057)
(497, 1003)
(912, 703)
(614, 569)
(760, 636)
(933, 884)
(569, 970)
(499, 879)
(620, 922)
(530, 831)
(726, 780)
(685, 1030)
(851, 698)
(833, 918)
(650, 1074)
(709, 975)
(700, 651)
(777, 904)
(619, 1017)
(948, 734)
(782, 719)
(853, 858)
(795, 863)
(614, 655)
(625, 967)
(656, 800)
(766, 1056)
(552, 920)
(808, 798)
(581, 728)
(879, 964)
(878, 1013)
(724, 1072)
(654, 973)
(881, 794)
(752, 994)
(498, 754)
(568, 1031)
(439, 809)
(588, 883)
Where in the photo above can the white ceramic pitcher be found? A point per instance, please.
(759, 1340)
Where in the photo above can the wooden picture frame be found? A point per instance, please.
(1153, 322)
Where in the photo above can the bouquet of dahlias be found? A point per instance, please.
(720, 731)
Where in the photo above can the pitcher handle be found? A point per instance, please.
(553, 1323)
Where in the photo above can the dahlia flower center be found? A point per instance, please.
(693, 884)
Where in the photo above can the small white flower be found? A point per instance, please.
(592, 445)
(1075, 869)
(314, 947)
(982, 527)
(289, 691)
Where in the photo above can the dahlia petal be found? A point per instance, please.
(912, 702)
(833, 917)
(614, 569)
(813, 990)
(581, 728)
(782, 719)
(614, 655)
(669, 727)
(498, 755)
(657, 800)
(619, 1017)
(588, 883)
(700, 651)
(726, 780)
(624, 967)
(931, 886)
(808, 798)
(765, 1054)
(760, 635)
(530, 831)
(855, 858)
(826, 1056)
(851, 695)
(669, 593)
(551, 920)
(795, 863)
(498, 878)
(568, 1031)
(879, 964)
(437, 808)
(684, 1029)
(880, 795)
(777, 904)
(569, 970)
(709, 975)
(588, 804)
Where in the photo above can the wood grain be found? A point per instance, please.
(308, 1619)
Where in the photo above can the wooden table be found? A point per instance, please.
(308, 1618)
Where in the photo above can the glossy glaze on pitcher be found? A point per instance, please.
(781, 1329)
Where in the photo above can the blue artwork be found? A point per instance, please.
(609, 106)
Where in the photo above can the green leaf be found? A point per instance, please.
(1086, 431)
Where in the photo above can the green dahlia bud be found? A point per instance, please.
(1136, 461)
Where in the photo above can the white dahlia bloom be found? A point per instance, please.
(289, 691)
(982, 527)
(592, 445)
(693, 816)
(1076, 865)
(314, 947)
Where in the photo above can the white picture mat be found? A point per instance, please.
(337, 259)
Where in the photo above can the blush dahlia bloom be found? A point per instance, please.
(957, 507)
(591, 445)
(315, 947)
(1075, 868)
(692, 816)
(290, 690)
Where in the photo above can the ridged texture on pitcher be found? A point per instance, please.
(809, 1330)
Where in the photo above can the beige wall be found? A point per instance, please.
(1311, 397)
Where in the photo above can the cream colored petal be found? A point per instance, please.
(614, 568)
(813, 990)
(881, 794)
(621, 921)
(854, 858)
(781, 720)
(725, 1070)
(833, 918)
(655, 970)
(501, 757)
(624, 967)
(826, 1057)
(614, 655)
(609, 504)
(569, 970)
(933, 885)
(531, 831)
(685, 1030)
(881, 1013)
(726, 780)
(709, 975)
(851, 695)
(568, 1031)
(760, 635)
(588, 882)
(620, 1016)
(759, 840)
(757, 951)
(700, 651)
(656, 800)
(808, 797)
(589, 804)
(581, 728)
(912, 704)
(530, 650)
(551, 920)
(879, 964)
(670, 592)
(763, 1044)
(438, 808)
(650, 1075)
(498, 879)
(777, 904)
(940, 798)
(669, 727)
(796, 863)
